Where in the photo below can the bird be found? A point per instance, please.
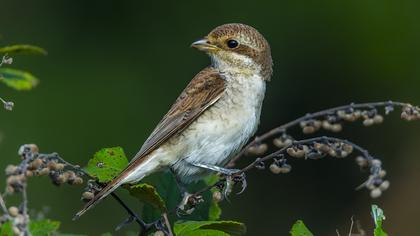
(214, 116)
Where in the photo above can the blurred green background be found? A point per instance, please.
(115, 67)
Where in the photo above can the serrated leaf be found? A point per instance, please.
(43, 227)
(106, 164)
(299, 229)
(148, 194)
(229, 227)
(23, 49)
(18, 79)
(378, 217)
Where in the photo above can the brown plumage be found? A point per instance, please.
(208, 87)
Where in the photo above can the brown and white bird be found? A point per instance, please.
(213, 117)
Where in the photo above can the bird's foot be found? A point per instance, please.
(233, 177)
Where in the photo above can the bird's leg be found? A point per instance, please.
(233, 176)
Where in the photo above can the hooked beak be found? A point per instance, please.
(204, 45)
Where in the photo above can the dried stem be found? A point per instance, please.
(283, 128)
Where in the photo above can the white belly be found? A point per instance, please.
(214, 137)
(222, 130)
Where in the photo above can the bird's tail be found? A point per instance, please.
(114, 184)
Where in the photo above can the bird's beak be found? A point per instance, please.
(204, 45)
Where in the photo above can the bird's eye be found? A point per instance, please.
(231, 43)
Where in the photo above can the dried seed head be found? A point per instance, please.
(375, 193)
(347, 147)
(59, 166)
(384, 185)
(13, 211)
(257, 150)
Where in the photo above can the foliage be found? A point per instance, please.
(17, 79)
(106, 164)
(299, 229)
(209, 228)
(23, 49)
(378, 217)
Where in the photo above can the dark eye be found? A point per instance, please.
(231, 43)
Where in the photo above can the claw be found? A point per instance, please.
(241, 178)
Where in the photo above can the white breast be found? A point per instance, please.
(224, 128)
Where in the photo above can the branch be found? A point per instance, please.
(332, 116)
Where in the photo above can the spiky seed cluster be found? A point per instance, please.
(36, 164)
(410, 113)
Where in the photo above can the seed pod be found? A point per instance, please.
(35, 164)
(59, 166)
(44, 171)
(29, 173)
(11, 170)
(217, 196)
(52, 165)
(86, 196)
(347, 147)
(368, 122)
(10, 189)
(61, 179)
(159, 233)
(378, 119)
(282, 142)
(326, 125)
(384, 185)
(382, 173)
(13, 211)
(336, 128)
(261, 149)
(361, 161)
(375, 193)
(275, 169)
(308, 129)
(76, 181)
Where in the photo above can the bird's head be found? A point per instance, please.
(237, 46)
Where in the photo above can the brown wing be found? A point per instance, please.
(203, 91)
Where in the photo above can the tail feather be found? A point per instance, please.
(99, 196)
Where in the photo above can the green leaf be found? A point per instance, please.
(228, 227)
(6, 229)
(43, 227)
(17, 79)
(106, 164)
(147, 193)
(299, 229)
(378, 217)
(204, 232)
(23, 49)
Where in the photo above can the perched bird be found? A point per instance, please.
(214, 116)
